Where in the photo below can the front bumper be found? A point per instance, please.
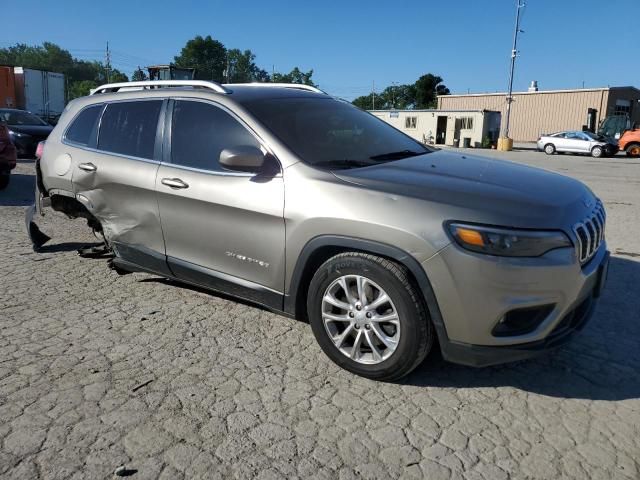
(474, 292)
(612, 149)
(484, 356)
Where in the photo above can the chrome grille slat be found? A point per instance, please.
(591, 237)
(598, 225)
(602, 217)
(590, 233)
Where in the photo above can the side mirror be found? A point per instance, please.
(243, 158)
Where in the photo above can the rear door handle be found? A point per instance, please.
(88, 167)
(174, 183)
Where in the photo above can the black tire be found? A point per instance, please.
(416, 330)
(633, 150)
(4, 180)
(597, 152)
(549, 149)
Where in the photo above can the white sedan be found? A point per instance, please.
(578, 142)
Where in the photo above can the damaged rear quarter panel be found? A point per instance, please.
(120, 193)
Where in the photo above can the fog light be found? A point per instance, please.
(521, 321)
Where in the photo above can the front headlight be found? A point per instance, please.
(507, 242)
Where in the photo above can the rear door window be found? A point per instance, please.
(82, 129)
(129, 128)
(200, 131)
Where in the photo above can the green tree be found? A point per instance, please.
(116, 76)
(421, 94)
(402, 96)
(47, 56)
(139, 75)
(427, 88)
(80, 88)
(81, 75)
(242, 68)
(207, 55)
(366, 102)
(294, 76)
(84, 70)
(260, 75)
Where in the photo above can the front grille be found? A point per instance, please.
(590, 233)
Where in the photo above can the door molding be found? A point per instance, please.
(225, 283)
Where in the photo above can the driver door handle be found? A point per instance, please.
(88, 167)
(174, 183)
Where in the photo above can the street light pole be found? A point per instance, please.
(514, 54)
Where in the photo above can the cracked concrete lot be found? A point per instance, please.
(99, 371)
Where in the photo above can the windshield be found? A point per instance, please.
(614, 125)
(331, 134)
(16, 117)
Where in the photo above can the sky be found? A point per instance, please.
(351, 44)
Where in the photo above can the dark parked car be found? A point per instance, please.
(26, 130)
(7, 156)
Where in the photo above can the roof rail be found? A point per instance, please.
(299, 86)
(114, 87)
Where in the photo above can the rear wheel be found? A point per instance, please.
(368, 317)
(633, 150)
(597, 151)
(549, 149)
(4, 180)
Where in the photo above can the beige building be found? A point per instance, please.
(464, 128)
(536, 112)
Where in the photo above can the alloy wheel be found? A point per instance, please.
(361, 319)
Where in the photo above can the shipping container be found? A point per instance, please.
(7, 88)
(40, 92)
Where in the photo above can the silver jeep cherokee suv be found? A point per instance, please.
(302, 203)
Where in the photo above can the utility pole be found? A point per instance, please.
(373, 95)
(107, 62)
(393, 94)
(514, 54)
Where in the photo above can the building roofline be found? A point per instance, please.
(434, 110)
(574, 90)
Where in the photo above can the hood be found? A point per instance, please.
(487, 190)
(35, 130)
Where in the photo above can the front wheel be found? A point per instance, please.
(368, 317)
(633, 150)
(549, 149)
(597, 152)
(4, 180)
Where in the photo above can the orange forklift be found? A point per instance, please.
(619, 126)
(630, 142)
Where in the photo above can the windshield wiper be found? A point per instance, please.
(345, 163)
(397, 155)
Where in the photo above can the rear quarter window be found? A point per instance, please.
(82, 129)
(129, 128)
